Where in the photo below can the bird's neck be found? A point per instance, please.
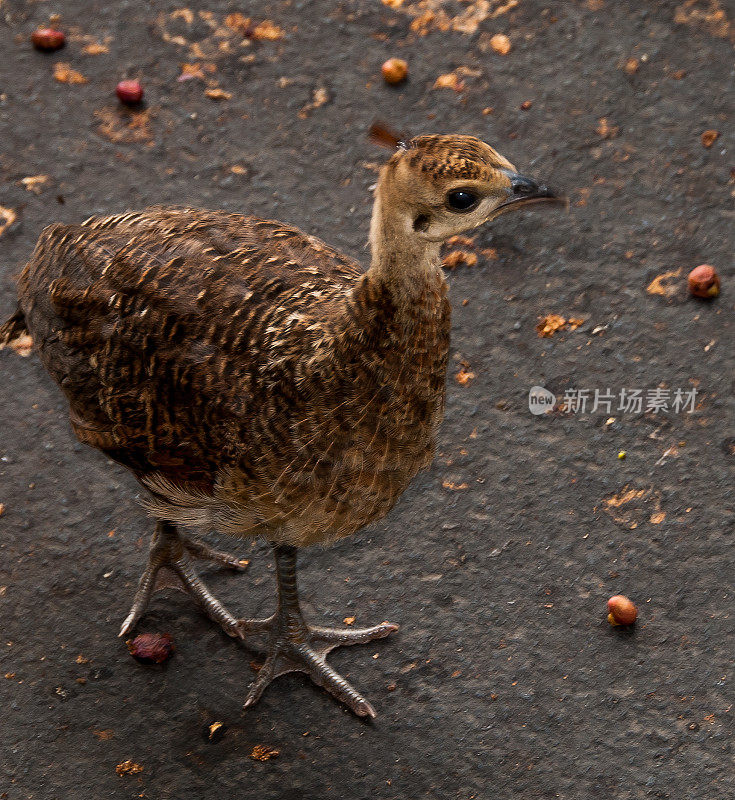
(402, 261)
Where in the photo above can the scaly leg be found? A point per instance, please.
(172, 551)
(295, 645)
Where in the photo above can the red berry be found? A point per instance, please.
(129, 92)
(622, 610)
(704, 281)
(48, 39)
(151, 648)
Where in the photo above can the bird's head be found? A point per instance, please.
(440, 186)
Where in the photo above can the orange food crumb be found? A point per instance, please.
(549, 325)
(501, 44)
(128, 768)
(263, 753)
(450, 80)
(65, 74)
(709, 138)
(456, 257)
(465, 376)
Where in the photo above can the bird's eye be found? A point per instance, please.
(462, 200)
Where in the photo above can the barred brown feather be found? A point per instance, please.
(253, 378)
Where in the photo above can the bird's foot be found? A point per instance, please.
(295, 646)
(173, 553)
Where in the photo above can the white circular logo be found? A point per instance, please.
(540, 400)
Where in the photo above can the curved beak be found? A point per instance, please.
(524, 191)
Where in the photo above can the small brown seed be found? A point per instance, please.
(622, 610)
(704, 281)
(395, 71)
(48, 39)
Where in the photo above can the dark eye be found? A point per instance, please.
(462, 200)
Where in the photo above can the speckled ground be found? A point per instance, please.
(507, 680)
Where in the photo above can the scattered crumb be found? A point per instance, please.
(465, 376)
(450, 80)
(585, 192)
(80, 659)
(666, 284)
(631, 507)
(63, 73)
(196, 70)
(710, 16)
(455, 487)
(95, 49)
(320, 97)
(460, 241)
(2, 509)
(125, 126)
(456, 257)
(7, 218)
(104, 735)
(549, 325)
(605, 129)
(500, 43)
(526, 104)
(216, 729)
(263, 753)
(349, 620)
(434, 15)
(265, 30)
(658, 517)
(216, 93)
(34, 183)
(631, 66)
(128, 768)
(709, 138)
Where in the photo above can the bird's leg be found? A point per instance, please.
(173, 552)
(296, 646)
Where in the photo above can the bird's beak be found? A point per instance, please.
(524, 191)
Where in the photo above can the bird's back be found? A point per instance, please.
(251, 376)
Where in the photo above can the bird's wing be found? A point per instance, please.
(161, 327)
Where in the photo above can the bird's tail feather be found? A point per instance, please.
(13, 329)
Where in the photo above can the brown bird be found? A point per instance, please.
(258, 382)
